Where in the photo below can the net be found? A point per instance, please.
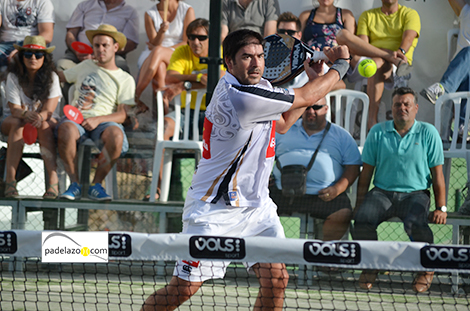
(322, 275)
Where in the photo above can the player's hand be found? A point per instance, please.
(328, 193)
(313, 70)
(438, 217)
(91, 123)
(337, 52)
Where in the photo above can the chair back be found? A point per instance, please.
(346, 110)
(185, 128)
(451, 42)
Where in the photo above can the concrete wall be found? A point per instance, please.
(430, 59)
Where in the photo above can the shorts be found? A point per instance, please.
(95, 134)
(202, 218)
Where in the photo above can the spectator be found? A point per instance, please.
(256, 15)
(164, 37)
(88, 15)
(407, 157)
(103, 94)
(388, 35)
(334, 169)
(185, 71)
(229, 191)
(462, 10)
(21, 18)
(33, 91)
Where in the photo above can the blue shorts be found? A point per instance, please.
(95, 134)
(5, 49)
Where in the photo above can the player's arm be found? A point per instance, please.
(363, 184)
(457, 6)
(439, 188)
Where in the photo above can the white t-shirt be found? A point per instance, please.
(464, 33)
(173, 35)
(99, 91)
(90, 14)
(16, 95)
(235, 113)
(21, 18)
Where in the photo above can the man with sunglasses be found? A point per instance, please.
(334, 169)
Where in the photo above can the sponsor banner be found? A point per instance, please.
(213, 247)
(8, 242)
(83, 247)
(120, 245)
(348, 253)
(445, 257)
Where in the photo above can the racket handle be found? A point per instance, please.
(318, 55)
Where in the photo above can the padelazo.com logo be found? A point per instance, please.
(216, 247)
(346, 253)
(447, 257)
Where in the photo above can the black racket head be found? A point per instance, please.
(284, 56)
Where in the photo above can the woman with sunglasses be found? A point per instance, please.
(164, 36)
(33, 92)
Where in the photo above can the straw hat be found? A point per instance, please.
(34, 43)
(108, 30)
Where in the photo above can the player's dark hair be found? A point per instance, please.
(195, 24)
(400, 91)
(288, 17)
(237, 40)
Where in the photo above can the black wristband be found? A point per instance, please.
(341, 66)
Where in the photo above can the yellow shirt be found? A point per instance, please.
(386, 31)
(185, 62)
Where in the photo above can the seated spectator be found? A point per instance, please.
(256, 15)
(103, 94)
(388, 35)
(407, 157)
(21, 18)
(462, 10)
(334, 169)
(164, 37)
(88, 15)
(186, 72)
(33, 91)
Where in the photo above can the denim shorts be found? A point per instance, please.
(95, 134)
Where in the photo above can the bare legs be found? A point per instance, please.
(272, 278)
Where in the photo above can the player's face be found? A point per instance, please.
(315, 116)
(198, 41)
(248, 65)
(404, 108)
(289, 26)
(104, 49)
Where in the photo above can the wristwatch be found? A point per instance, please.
(443, 208)
(187, 85)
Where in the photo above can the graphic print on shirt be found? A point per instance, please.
(88, 91)
(23, 16)
(272, 142)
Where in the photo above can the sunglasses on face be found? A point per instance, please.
(38, 55)
(287, 31)
(199, 37)
(316, 107)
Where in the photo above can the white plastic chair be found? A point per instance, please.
(451, 46)
(443, 120)
(164, 148)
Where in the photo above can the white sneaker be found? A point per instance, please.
(433, 92)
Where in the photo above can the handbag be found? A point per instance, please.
(22, 171)
(294, 177)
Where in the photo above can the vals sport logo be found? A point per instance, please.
(120, 245)
(214, 247)
(447, 257)
(346, 253)
(8, 242)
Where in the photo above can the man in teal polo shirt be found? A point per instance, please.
(407, 157)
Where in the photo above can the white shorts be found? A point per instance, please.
(202, 218)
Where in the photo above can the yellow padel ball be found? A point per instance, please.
(367, 68)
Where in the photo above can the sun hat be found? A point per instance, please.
(34, 43)
(108, 30)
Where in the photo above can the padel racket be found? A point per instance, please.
(73, 114)
(81, 47)
(30, 134)
(284, 58)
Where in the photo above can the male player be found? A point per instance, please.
(229, 193)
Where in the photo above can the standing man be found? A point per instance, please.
(103, 94)
(230, 185)
(407, 157)
(389, 36)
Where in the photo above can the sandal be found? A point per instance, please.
(52, 192)
(10, 190)
(147, 195)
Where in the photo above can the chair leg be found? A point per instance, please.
(166, 176)
(157, 160)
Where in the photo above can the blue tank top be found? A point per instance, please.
(321, 35)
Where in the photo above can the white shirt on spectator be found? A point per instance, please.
(464, 33)
(21, 18)
(90, 14)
